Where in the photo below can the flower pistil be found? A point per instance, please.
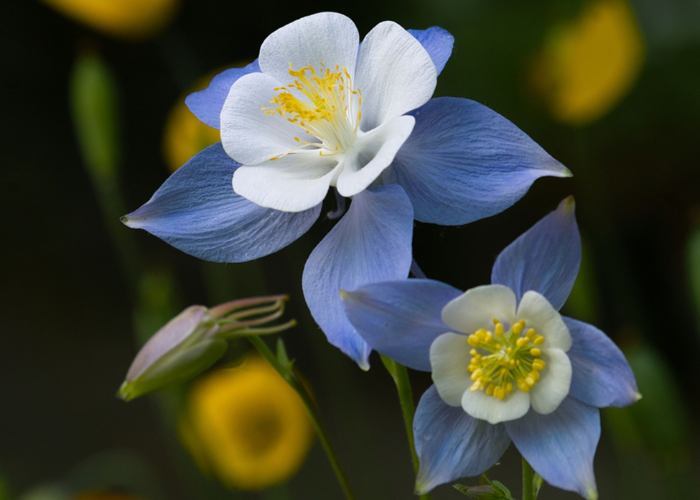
(511, 359)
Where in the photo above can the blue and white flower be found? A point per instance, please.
(317, 110)
(506, 365)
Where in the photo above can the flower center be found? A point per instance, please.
(502, 360)
(324, 105)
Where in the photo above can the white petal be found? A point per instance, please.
(449, 358)
(476, 308)
(293, 183)
(394, 73)
(478, 404)
(554, 383)
(372, 153)
(539, 314)
(248, 134)
(327, 38)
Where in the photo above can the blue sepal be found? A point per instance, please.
(560, 446)
(208, 103)
(371, 243)
(197, 211)
(601, 375)
(545, 258)
(450, 444)
(400, 319)
(438, 42)
(464, 162)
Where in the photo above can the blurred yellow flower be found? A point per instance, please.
(247, 426)
(185, 135)
(589, 64)
(133, 19)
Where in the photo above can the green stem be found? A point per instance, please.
(528, 481)
(403, 386)
(294, 382)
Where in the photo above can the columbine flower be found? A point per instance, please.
(506, 365)
(315, 111)
(247, 425)
(195, 339)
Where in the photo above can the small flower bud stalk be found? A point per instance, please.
(195, 339)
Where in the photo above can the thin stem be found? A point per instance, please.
(528, 481)
(403, 386)
(294, 382)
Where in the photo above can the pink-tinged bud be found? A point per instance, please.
(195, 339)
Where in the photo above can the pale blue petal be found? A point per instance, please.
(197, 211)
(464, 162)
(438, 42)
(545, 258)
(371, 243)
(450, 444)
(400, 319)
(560, 446)
(207, 104)
(601, 375)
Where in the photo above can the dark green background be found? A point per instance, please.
(66, 308)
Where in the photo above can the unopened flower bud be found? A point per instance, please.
(195, 339)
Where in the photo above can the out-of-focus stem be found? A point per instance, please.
(403, 386)
(528, 481)
(296, 384)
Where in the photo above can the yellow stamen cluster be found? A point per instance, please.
(511, 359)
(323, 105)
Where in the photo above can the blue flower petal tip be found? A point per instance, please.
(130, 221)
(562, 171)
(136, 219)
(592, 493)
(568, 205)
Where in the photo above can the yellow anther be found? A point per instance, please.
(498, 330)
(518, 327)
(512, 361)
(522, 385)
(499, 393)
